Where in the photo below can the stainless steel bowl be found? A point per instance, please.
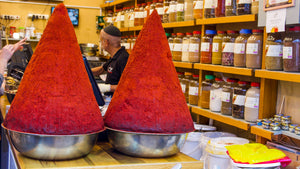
(52, 147)
(145, 144)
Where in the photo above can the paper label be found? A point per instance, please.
(160, 11)
(172, 8)
(205, 46)
(274, 50)
(122, 18)
(127, 45)
(198, 4)
(139, 14)
(228, 47)
(109, 19)
(238, 99)
(252, 102)
(244, 2)
(118, 18)
(225, 97)
(171, 46)
(194, 47)
(185, 47)
(166, 9)
(252, 48)
(228, 2)
(131, 17)
(216, 95)
(193, 91)
(180, 7)
(239, 48)
(177, 47)
(287, 52)
(183, 86)
(210, 4)
(215, 47)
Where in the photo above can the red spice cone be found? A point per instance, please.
(55, 95)
(149, 98)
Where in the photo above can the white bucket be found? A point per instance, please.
(191, 146)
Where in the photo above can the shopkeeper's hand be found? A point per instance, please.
(8, 50)
(104, 87)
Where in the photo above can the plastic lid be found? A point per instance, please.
(21, 27)
(188, 73)
(173, 34)
(180, 73)
(242, 82)
(257, 31)
(217, 145)
(168, 34)
(245, 31)
(196, 76)
(180, 34)
(124, 8)
(296, 28)
(143, 4)
(291, 29)
(232, 80)
(231, 31)
(221, 32)
(148, 3)
(210, 32)
(196, 32)
(139, 5)
(218, 79)
(154, 1)
(210, 77)
(255, 84)
(189, 33)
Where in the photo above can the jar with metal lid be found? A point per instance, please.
(159, 6)
(217, 48)
(198, 9)
(252, 102)
(273, 52)
(254, 6)
(194, 90)
(172, 11)
(194, 47)
(286, 119)
(277, 117)
(285, 126)
(275, 126)
(238, 100)
(254, 49)
(186, 81)
(216, 95)
(228, 48)
(292, 127)
(188, 12)
(291, 54)
(205, 91)
(177, 48)
(227, 94)
(166, 11)
(220, 8)
(243, 7)
(171, 42)
(240, 48)
(259, 122)
(206, 46)
(209, 9)
(297, 130)
(185, 47)
(266, 124)
(230, 7)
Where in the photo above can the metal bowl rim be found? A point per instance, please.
(141, 133)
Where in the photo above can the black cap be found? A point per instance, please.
(112, 30)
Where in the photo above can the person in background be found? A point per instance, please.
(110, 39)
(5, 54)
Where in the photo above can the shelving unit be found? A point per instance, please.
(259, 131)
(224, 69)
(278, 75)
(28, 40)
(232, 19)
(117, 2)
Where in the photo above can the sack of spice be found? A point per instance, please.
(55, 95)
(149, 98)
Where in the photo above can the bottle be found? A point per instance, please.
(217, 48)
(185, 47)
(171, 42)
(254, 6)
(173, 11)
(177, 48)
(147, 11)
(180, 11)
(220, 8)
(243, 7)
(238, 100)
(206, 46)
(216, 95)
(166, 11)
(254, 49)
(209, 8)
(274, 46)
(230, 8)
(138, 18)
(159, 6)
(126, 43)
(227, 93)
(205, 91)
(131, 16)
(252, 102)
(240, 48)
(194, 90)
(186, 81)
(194, 47)
(198, 9)
(228, 48)
(188, 13)
(291, 55)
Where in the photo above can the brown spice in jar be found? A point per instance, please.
(204, 99)
(240, 48)
(273, 53)
(254, 50)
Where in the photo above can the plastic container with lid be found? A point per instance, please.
(180, 11)
(138, 16)
(185, 85)
(177, 48)
(120, 18)
(205, 91)
(198, 9)
(254, 49)
(220, 8)
(255, 6)
(194, 47)
(194, 90)
(230, 7)
(171, 42)
(243, 7)
(22, 32)
(238, 100)
(273, 52)
(291, 48)
(126, 17)
(215, 102)
(227, 93)
(206, 46)
(173, 11)
(252, 102)
(166, 11)
(217, 48)
(240, 48)
(228, 48)
(185, 47)
(188, 12)
(131, 16)
(159, 6)
(210, 8)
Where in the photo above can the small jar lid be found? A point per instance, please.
(220, 32)
(278, 115)
(180, 73)
(173, 34)
(232, 80)
(231, 32)
(286, 118)
(196, 32)
(210, 32)
(266, 122)
(218, 79)
(296, 28)
(275, 124)
(168, 34)
(189, 33)
(196, 76)
(255, 84)
(257, 31)
(245, 31)
(180, 34)
(210, 77)
(242, 82)
(293, 125)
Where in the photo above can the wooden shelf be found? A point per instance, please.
(179, 24)
(136, 28)
(224, 69)
(183, 64)
(28, 40)
(231, 19)
(278, 75)
(124, 29)
(258, 130)
(222, 118)
(114, 3)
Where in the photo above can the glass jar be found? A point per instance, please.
(274, 46)
(22, 32)
(277, 117)
(171, 42)
(198, 9)
(122, 18)
(275, 126)
(297, 130)
(217, 48)
(194, 47)
(227, 93)
(138, 16)
(172, 11)
(147, 11)
(159, 6)
(152, 6)
(126, 17)
(188, 13)
(255, 6)
(239, 59)
(194, 90)
(252, 102)
(185, 47)
(206, 46)
(228, 48)
(243, 7)
(186, 81)
(238, 100)
(166, 11)
(180, 77)
(209, 8)
(131, 16)
(205, 91)
(230, 8)
(291, 54)
(177, 48)
(180, 11)
(216, 95)
(254, 49)
(292, 127)
(118, 20)
(220, 8)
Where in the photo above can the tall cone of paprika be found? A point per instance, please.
(149, 98)
(55, 95)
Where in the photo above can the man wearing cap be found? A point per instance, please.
(110, 39)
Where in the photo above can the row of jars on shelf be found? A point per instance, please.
(180, 10)
(128, 42)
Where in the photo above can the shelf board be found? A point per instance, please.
(258, 130)
(28, 40)
(113, 3)
(278, 75)
(293, 135)
(136, 28)
(183, 64)
(179, 24)
(242, 124)
(124, 29)
(224, 69)
(231, 19)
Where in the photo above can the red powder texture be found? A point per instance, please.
(149, 98)
(55, 95)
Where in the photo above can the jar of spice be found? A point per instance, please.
(217, 48)
(254, 49)
(243, 7)
(228, 48)
(171, 42)
(220, 8)
(206, 46)
(291, 54)
(188, 13)
(159, 6)
(198, 9)
(285, 126)
(205, 91)
(209, 8)
(177, 48)
(131, 16)
(216, 95)
(186, 81)
(172, 11)
(252, 102)
(227, 94)
(273, 60)
(194, 90)
(230, 7)
(138, 16)
(194, 47)
(238, 100)
(166, 11)
(255, 6)
(180, 11)
(240, 48)
(185, 47)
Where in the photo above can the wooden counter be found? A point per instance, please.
(103, 156)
